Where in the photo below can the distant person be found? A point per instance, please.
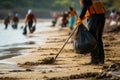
(6, 21)
(59, 22)
(64, 19)
(30, 18)
(72, 14)
(55, 17)
(112, 17)
(15, 21)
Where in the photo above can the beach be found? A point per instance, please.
(68, 65)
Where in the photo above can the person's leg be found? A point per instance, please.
(30, 23)
(96, 26)
(93, 29)
(6, 25)
(70, 26)
(71, 22)
(100, 42)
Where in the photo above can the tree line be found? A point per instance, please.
(43, 8)
(50, 4)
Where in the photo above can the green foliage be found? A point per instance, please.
(111, 4)
(7, 4)
(63, 4)
(51, 4)
(116, 4)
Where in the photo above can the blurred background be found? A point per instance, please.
(48, 13)
(45, 8)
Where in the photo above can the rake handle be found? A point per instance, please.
(66, 42)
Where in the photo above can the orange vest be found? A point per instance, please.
(96, 8)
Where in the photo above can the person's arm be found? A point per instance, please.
(84, 9)
(83, 12)
(35, 19)
(26, 19)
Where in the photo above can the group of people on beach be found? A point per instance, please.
(30, 18)
(94, 12)
(14, 19)
(67, 18)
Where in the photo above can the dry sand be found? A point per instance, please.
(68, 65)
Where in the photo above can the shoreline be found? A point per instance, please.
(12, 49)
(68, 64)
(38, 20)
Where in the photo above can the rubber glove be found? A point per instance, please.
(34, 24)
(79, 21)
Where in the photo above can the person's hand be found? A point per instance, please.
(79, 21)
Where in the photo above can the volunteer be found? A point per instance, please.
(93, 11)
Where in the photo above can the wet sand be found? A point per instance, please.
(68, 65)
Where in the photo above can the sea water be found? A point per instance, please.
(12, 40)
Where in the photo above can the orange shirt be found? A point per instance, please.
(72, 13)
(30, 17)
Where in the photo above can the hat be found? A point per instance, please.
(29, 11)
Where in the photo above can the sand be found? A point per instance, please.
(68, 65)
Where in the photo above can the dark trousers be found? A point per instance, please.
(6, 25)
(96, 26)
(30, 23)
